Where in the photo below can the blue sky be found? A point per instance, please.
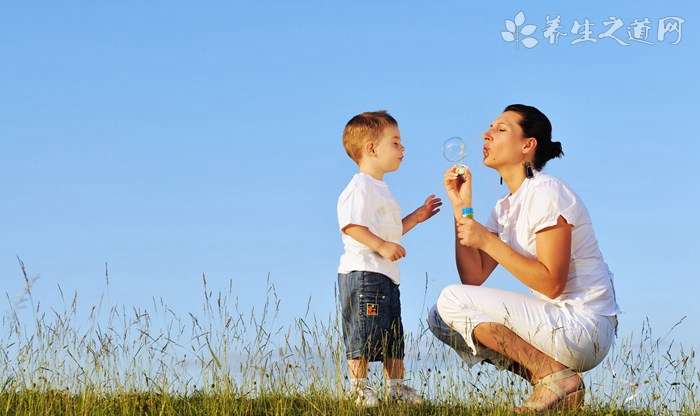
(171, 140)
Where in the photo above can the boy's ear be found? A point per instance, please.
(369, 148)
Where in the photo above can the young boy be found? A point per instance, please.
(368, 275)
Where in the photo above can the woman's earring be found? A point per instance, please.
(528, 170)
(501, 180)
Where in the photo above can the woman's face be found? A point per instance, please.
(504, 143)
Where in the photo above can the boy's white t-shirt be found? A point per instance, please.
(537, 204)
(368, 202)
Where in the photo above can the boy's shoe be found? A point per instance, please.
(365, 397)
(405, 394)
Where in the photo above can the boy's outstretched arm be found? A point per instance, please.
(387, 249)
(430, 207)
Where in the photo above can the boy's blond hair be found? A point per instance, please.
(365, 127)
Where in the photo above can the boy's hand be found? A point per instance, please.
(430, 207)
(391, 251)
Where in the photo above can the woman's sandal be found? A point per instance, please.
(566, 400)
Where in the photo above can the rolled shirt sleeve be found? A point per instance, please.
(550, 200)
(354, 208)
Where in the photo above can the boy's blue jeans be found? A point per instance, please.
(371, 310)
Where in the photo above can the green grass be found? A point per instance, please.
(119, 360)
(86, 403)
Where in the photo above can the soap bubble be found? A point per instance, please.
(453, 149)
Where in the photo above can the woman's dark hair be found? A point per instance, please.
(535, 124)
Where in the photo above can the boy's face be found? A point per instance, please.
(388, 150)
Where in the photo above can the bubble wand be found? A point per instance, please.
(453, 151)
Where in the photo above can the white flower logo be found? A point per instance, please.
(514, 30)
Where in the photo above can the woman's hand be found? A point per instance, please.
(458, 187)
(470, 233)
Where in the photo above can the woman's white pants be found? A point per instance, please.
(575, 338)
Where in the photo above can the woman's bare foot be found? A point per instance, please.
(544, 397)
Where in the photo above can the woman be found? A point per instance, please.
(541, 233)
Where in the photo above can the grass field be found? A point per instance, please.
(224, 361)
(87, 403)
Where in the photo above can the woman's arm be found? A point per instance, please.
(473, 265)
(547, 274)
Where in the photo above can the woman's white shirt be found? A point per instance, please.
(537, 204)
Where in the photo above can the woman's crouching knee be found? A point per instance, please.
(435, 322)
(444, 332)
(449, 303)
